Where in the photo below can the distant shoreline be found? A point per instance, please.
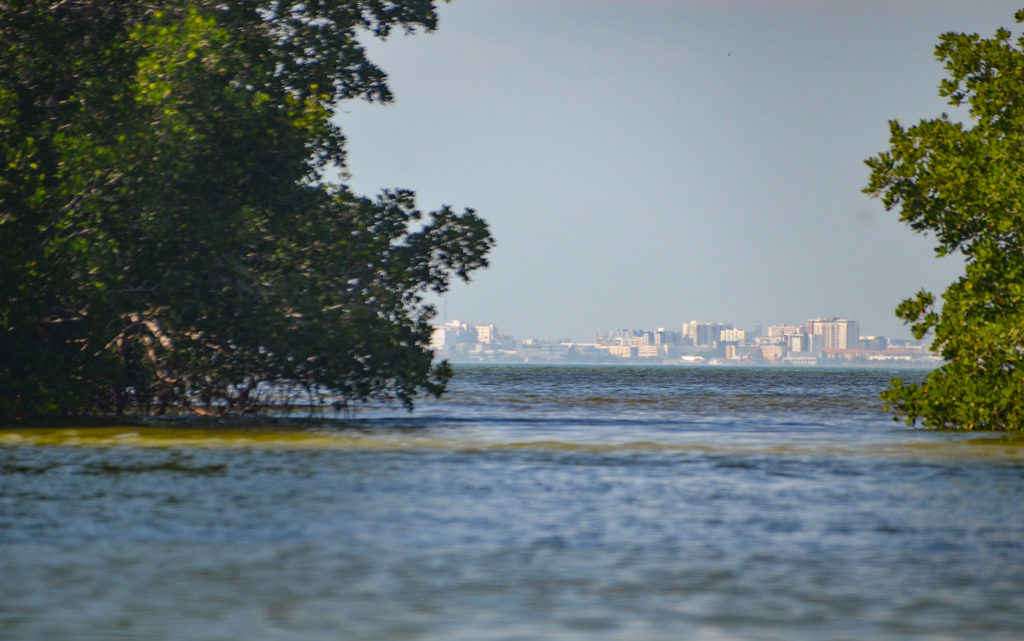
(830, 365)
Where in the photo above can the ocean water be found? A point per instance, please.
(530, 503)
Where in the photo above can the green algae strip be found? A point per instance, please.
(213, 438)
(1009, 448)
(980, 449)
(952, 446)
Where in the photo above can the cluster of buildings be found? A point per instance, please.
(817, 341)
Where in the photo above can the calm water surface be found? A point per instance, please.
(531, 503)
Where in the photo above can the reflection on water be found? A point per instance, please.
(533, 503)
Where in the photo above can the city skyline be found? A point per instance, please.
(762, 326)
(642, 162)
(832, 341)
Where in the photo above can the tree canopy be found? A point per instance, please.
(168, 238)
(963, 182)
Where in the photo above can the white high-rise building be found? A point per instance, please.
(732, 336)
(486, 333)
(838, 333)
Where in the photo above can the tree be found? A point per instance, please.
(168, 239)
(965, 184)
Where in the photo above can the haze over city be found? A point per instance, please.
(647, 163)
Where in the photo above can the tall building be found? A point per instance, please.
(704, 333)
(689, 331)
(732, 336)
(797, 342)
(838, 333)
(452, 333)
(665, 337)
(486, 333)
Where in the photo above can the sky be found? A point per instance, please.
(644, 163)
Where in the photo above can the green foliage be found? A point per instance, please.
(167, 241)
(964, 183)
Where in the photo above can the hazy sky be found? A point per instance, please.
(643, 163)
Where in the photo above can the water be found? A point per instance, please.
(531, 503)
